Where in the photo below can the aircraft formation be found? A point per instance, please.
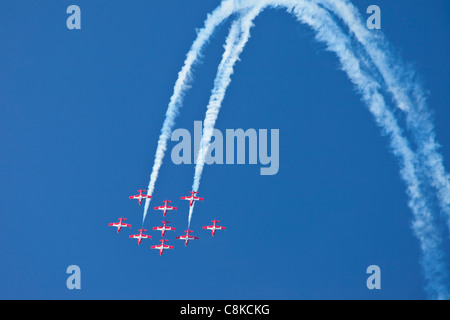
(165, 209)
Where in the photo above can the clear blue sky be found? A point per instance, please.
(80, 115)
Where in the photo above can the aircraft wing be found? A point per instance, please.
(165, 208)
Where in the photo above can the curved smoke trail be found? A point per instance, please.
(424, 224)
(330, 33)
(377, 52)
(235, 43)
(402, 87)
(213, 20)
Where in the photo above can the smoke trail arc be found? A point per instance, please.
(213, 20)
(238, 36)
(408, 97)
(421, 165)
(330, 33)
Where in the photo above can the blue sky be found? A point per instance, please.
(80, 115)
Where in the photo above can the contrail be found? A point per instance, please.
(378, 52)
(238, 37)
(424, 224)
(230, 42)
(330, 33)
(218, 16)
(407, 95)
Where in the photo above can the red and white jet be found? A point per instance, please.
(187, 237)
(214, 227)
(141, 196)
(140, 236)
(161, 247)
(164, 228)
(119, 225)
(165, 207)
(192, 198)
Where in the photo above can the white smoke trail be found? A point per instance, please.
(403, 88)
(328, 32)
(230, 42)
(225, 9)
(424, 225)
(238, 37)
(309, 13)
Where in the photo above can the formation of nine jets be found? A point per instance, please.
(165, 208)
